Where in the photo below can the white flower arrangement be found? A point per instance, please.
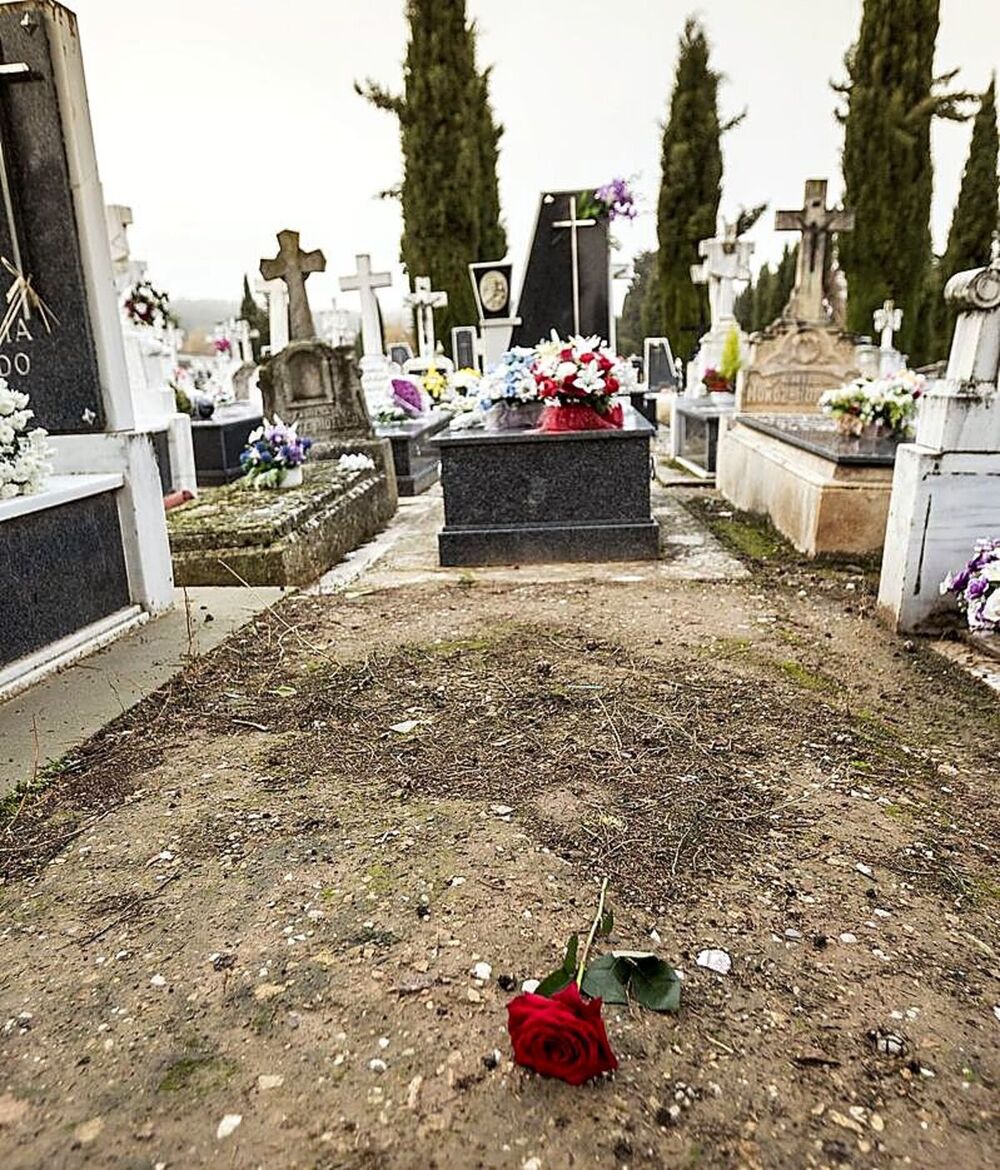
(511, 380)
(356, 461)
(887, 404)
(25, 456)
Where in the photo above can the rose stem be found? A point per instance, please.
(593, 934)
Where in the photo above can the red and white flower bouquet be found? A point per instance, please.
(578, 380)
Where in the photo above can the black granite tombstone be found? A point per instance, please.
(567, 284)
(463, 347)
(219, 441)
(50, 356)
(62, 569)
(516, 497)
(661, 373)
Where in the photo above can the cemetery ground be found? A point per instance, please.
(264, 893)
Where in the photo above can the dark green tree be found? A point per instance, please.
(976, 218)
(690, 191)
(451, 213)
(891, 96)
(763, 301)
(257, 318)
(630, 331)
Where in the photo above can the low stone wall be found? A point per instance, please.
(285, 537)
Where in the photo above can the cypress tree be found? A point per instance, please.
(256, 317)
(449, 144)
(762, 302)
(492, 233)
(976, 216)
(690, 191)
(630, 330)
(891, 100)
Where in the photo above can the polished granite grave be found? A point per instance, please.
(520, 497)
(827, 492)
(219, 440)
(415, 460)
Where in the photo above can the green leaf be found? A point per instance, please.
(607, 978)
(565, 975)
(655, 984)
(284, 692)
(607, 924)
(554, 983)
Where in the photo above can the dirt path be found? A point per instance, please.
(254, 898)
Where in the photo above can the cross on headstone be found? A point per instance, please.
(817, 223)
(574, 225)
(725, 260)
(365, 282)
(294, 266)
(14, 71)
(424, 300)
(888, 321)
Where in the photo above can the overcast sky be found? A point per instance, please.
(222, 121)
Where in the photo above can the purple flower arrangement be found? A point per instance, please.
(618, 199)
(977, 587)
(272, 451)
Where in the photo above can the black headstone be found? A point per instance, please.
(547, 295)
(463, 347)
(58, 370)
(660, 372)
(400, 354)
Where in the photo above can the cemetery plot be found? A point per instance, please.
(303, 917)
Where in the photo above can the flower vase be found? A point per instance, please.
(580, 416)
(292, 477)
(513, 416)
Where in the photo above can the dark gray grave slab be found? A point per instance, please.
(525, 497)
(697, 423)
(62, 569)
(58, 369)
(568, 271)
(822, 437)
(415, 459)
(218, 442)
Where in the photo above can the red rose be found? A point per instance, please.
(612, 385)
(567, 354)
(587, 358)
(560, 1037)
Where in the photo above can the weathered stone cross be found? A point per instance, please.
(725, 260)
(425, 300)
(817, 223)
(293, 266)
(366, 282)
(888, 321)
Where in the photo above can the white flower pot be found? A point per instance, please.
(292, 477)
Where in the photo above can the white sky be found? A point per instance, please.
(222, 121)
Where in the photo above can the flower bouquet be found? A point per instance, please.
(436, 385)
(274, 456)
(884, 406)
(147, 305)
(977, 587)
(615, 200)
(508, 392)
(24, 454)
(716, 383)
(578, 380)
(406, 397)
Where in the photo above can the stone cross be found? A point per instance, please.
(725, 260)
(294, 266)
(817, 223)
(365, 282)
(574, 225)
(425, 300)
(888, 321)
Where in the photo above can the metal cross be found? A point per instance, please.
(574, 226)
(293, 266)
(888, 320)
(18, 71)
(425, 300)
